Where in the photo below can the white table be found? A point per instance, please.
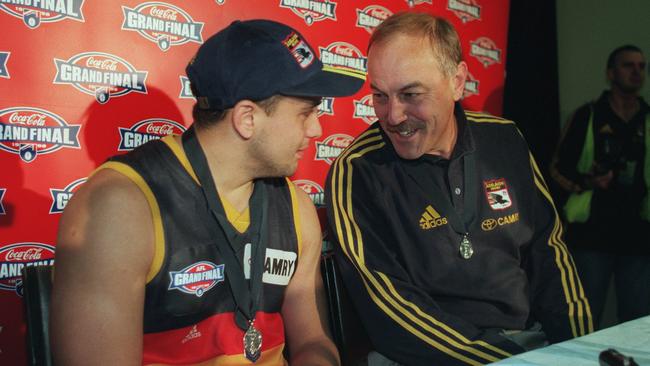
(631, 339)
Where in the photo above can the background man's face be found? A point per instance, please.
(629, 72)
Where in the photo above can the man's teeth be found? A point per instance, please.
(406, 133)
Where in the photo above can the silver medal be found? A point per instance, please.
(466, 250)
(252, 342)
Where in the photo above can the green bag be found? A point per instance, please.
(578, 207)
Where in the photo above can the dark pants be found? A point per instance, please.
(631, 280)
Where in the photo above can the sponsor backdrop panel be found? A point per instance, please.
(81, 81)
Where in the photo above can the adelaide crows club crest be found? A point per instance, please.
(197, 279)
(496, 192)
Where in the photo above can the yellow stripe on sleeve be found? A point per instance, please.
(159, 237)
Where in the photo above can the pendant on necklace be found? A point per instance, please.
(252, 342)
(466, 249)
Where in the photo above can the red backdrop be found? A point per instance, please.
(81, 81)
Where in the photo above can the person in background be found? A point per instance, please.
(189, 250)
(449, 243)
(601, 168)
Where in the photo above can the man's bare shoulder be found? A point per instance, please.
(109, 210)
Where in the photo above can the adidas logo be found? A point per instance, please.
(431, 218)
(194, 333)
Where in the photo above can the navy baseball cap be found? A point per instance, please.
(256, 59)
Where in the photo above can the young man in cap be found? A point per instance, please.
(192, 236)
(450, 245)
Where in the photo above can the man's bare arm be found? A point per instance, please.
(304, 307)
(104, 250)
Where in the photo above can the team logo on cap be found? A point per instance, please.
(299, 49)
(186, 90)
(496, 191)
(60, 197)
(311, 10)
(486, 51)
(326, 106)
(2, 194)
(100, 74)
(29, 132)
(363, 109)
(343, 55)
(313, 190)
(197, 279)
(466, 10)
(371, 16)
(4, 72)
(14, 257)
(412, 3)
(162, 23)
(33, 12)
(471, 86)
(147, 130)
(328, 149)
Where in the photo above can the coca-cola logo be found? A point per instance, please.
(344, 55)
(102, 64)
(29, 254)
(33, 119)
(169, 14)
(311, 10)
(161, 130)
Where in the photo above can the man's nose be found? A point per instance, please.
(396, 111)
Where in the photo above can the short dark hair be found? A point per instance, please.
(204, 118)
(611, 60)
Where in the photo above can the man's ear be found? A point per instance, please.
(458, 80)
(242, 118)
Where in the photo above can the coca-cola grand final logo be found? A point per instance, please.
(485, 50)
(466, 10)
(60, 197)
(344, 56)
(371, 16)
(100, 74)
(412, 3)
(313, 190)
(364, 110)
(14, 257)
(147, 130)
(330, 148)
(2, 194)
(33, 12)
(326, 106)
(30, 132)
(471, 86)
(186, 90)
(311, 10)
(164, 24)
(4, 72)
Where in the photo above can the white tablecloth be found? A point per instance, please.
(631, 339)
